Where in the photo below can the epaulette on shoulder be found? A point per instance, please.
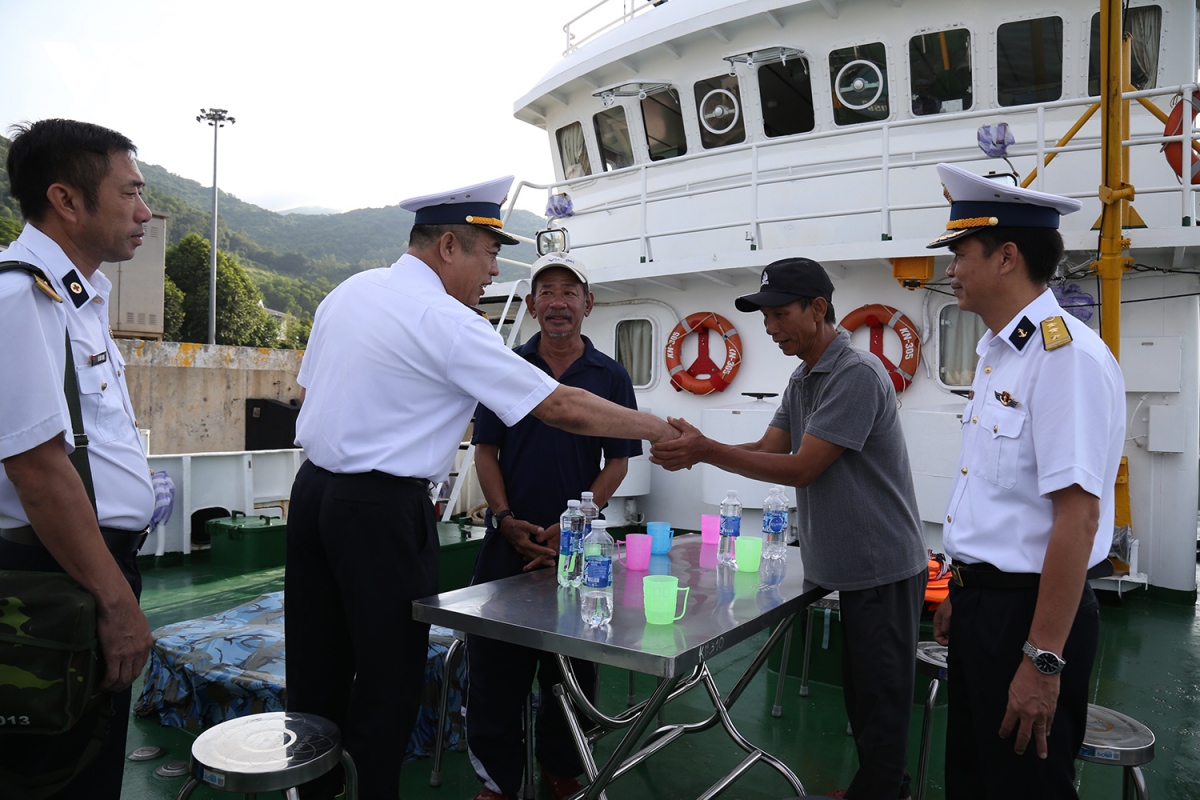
(1055, 333)
(40, 281)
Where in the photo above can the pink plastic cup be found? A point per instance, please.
(636, 555)
(710, 529)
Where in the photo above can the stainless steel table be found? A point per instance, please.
(724, 607)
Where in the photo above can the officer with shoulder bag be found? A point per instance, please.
(75, 498)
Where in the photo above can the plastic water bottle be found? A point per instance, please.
(596, 606)
(731, 527)
(589, 509)
(775, 524)
(570, 546)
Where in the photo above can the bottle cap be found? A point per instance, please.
(572, 504)
(587, 495)
(599, 525)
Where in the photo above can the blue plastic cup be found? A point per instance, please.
(661, 537)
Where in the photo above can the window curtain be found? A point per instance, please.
(574, 152)
(1145, 24)
(960, 333)
(635, 344)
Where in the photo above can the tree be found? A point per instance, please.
(172, 311)
(241, 320)
(298, 331)
(10, 229)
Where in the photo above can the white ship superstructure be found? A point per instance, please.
(699, 140)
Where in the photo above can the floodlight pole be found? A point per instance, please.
(216, 118)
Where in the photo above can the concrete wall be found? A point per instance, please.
(192, 397)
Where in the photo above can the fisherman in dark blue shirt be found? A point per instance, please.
(528, 473)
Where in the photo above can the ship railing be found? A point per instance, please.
(629, 10)
(250, 482)
(883, 164)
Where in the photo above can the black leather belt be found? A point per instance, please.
(423, 483)
(116, 540)
(989, 576)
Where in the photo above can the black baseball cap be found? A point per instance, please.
(785, 282)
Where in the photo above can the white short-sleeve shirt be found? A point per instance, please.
(33, 409)
(1037, 421)
(393, 370)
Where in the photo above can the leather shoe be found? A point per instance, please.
(487, 794)
(561, 786)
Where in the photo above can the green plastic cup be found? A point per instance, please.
(660, 597)
(748, 552)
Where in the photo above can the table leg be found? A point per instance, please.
(777, 709)
(448, 664)
(807, 627)
(722, 710)
(759, 659)
(926, 732)
(634, 735)
(529, 791)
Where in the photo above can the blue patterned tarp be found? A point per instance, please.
(208, 670)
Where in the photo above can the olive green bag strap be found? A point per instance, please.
(78, 456)
(48, 784)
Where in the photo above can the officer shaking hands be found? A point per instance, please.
(397, 361)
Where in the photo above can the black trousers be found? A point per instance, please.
(40, 755)
(987, 629)
(879, 647)
(500, 675)
(360, 548)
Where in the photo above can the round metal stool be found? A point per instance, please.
(273, 752)
(1113, 738)
(931, 661)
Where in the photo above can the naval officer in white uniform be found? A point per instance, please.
(80, 192)
(1030, 515)
(397, 361)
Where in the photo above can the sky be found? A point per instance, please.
(342, 105)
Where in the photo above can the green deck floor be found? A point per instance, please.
(1148, 667)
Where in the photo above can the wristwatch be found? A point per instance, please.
(499, 516)
(1047, 663)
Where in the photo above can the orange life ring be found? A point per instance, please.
(1174, 150)
(703, 376)
(876, 315)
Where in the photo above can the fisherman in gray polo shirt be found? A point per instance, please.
(837, 439)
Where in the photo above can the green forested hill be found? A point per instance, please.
(294, 259)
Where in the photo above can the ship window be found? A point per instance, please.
(663, 119)
(859, 79)
(940, 69)
(958, 333)
(1029, 61)
(612, 134)
(573, 151)
(785, 89)
(1146, 25)
(635, 349)
(719, 106)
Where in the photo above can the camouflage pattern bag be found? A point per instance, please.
(49, 656)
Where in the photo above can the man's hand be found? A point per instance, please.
(941, 623)
(125, 642)
(680, 453)
(1032, 699)
(526, 539)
